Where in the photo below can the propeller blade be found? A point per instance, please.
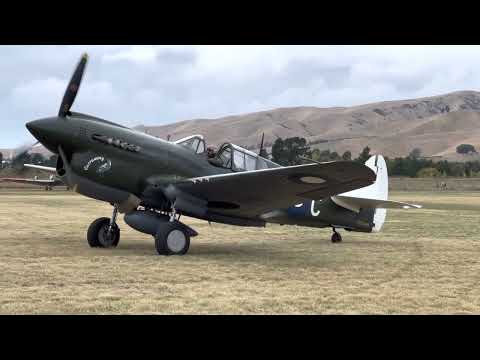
(73, 86)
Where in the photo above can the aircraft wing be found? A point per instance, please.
(252, 193)
(52, 182)
(44, 168)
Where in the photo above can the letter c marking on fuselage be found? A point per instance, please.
(312, 209)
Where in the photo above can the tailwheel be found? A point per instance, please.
(172, 239)
(104, 232)
(336, 237)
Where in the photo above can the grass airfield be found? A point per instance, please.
(423, 262)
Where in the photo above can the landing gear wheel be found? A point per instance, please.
(336, 237)
(171, 239)
(98, 234)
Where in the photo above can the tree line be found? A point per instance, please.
(296, 151)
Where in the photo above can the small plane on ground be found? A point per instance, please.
(49, 183)
(153, 182)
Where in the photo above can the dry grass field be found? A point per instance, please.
(425, 261)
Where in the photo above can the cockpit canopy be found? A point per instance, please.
(193, 142)
(229, 156)
(236, 158)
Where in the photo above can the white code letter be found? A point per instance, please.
(312, 210)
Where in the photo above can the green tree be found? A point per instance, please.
(457, 169)
(415, 153)
(37, 159)
(288, 152)
(472, 168)
(347, 156)
(364, 155)
(52, 161)
(428, 172)
(325, 155)
(20, 159)
(450, 168)
(334, 156)
(466, 149)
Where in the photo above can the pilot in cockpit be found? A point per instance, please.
(211, 152)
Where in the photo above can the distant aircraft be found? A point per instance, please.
(49, 183)
(153, 182)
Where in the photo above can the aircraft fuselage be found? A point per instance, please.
(116, 164)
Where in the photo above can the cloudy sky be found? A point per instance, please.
(136, 85)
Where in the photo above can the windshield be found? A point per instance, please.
(234, 157)
(195, 142)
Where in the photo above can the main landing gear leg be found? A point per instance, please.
(104, 232)
(336, 237)
(172, 238)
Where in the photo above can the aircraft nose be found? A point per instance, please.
(45, 131)
(35, 127)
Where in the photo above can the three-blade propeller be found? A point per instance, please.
(73, 86)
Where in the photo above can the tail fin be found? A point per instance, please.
(379, 189)
(374, 196)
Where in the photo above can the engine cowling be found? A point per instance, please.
(125, 201)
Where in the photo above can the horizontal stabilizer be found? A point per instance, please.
(355, 204)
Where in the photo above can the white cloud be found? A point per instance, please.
(136, 54)
(33, 96)
(157, 84)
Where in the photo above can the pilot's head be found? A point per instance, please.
(211, 151)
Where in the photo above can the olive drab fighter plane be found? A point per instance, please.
(153, 182)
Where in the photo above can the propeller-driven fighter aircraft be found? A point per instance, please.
(153, 181)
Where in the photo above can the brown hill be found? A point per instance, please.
(435, 124)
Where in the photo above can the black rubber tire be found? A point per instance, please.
(336, 237)
(94, 230)
(161, 244)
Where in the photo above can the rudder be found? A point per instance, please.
(377, 191)
(377, 163)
